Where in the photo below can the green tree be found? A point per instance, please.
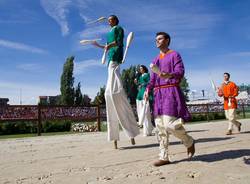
(100, 98)
(128, 76)
(185, 88)
(244, 87)
(86, 100)
(67, 82)
(78, 95)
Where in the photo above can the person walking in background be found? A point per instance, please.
(142, 106)
(229, 91)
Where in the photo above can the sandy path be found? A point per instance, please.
(89, 158)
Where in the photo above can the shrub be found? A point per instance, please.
(56, 126)
(17, 127)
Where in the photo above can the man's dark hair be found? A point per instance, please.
(166, 36)
(144, 68)
(116, 18)
(227, 74)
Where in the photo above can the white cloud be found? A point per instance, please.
(192, 23)
(184, 20)
(94, 32)
(21, 46)
(58, 10)
(84, 17)
(81, 66)
(30, 67)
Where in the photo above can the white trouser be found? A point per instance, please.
(169, 124)
(144, 116)
(117, 106)
(231, 116)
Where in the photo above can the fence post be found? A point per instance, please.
(243, 110)
(39, 123)
(98, 118)
(207, 112)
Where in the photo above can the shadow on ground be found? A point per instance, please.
(224, 155)
(202, 140)
(190, 131)
(247, 132)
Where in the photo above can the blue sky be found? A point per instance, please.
(37, 36)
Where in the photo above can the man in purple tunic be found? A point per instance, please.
(170, 110)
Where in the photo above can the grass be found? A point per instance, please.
(15, 136)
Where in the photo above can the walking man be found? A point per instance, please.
(170, 110)
(229, 91)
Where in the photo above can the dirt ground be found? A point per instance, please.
(90, 158)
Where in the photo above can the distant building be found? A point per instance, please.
(4, 102)
(48, 100)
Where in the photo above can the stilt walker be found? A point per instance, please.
(118, 108)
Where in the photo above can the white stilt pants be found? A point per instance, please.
(117, 106)
(169, 124)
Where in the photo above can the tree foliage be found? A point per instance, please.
(86, 100)
(100, 98)
(78, 95)
(245, 87)
(128, 76)
(67, 83)
(185, 88)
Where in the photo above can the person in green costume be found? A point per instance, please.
(118, 108)
(142, 106)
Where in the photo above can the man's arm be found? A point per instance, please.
(235, 90)
(118, 40)
(107, 47)
(220, 91)
(95, 43)
(179, 70)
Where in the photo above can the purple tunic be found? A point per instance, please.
(169, 100)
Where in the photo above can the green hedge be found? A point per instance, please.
(7, 128)
(56, 126)
(203, 117)
(17, 128)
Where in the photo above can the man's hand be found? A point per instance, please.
(107, 47)
(95, 43)
(165, 75)
(220, 92)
